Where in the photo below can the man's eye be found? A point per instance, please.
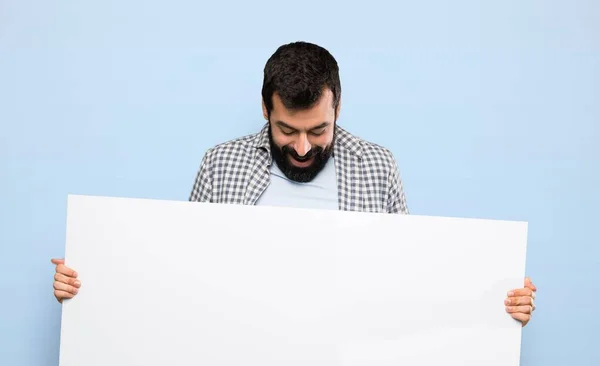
(318, 132)
(287, 132)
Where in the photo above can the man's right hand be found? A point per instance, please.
(66, 284)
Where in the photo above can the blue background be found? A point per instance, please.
(491, 108)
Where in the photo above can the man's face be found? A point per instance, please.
(302, 140)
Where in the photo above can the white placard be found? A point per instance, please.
(182, 283)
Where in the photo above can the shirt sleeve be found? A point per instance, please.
(202, 189)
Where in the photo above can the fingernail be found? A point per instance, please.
(507, 302)
(511, 294)
(77, 283)
(74, 274)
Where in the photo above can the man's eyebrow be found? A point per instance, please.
(322, 125)
(285, 125)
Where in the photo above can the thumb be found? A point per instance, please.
(58, 261)
(529, 284)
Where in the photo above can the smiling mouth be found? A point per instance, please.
(302, 163)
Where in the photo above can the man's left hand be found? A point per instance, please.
(520, 302)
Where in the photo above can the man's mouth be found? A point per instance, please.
(301, 163)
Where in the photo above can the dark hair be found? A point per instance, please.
(298, 72)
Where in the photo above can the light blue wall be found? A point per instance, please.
(492, 109)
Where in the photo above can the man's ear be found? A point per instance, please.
(264, 109)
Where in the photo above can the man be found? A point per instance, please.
(302, 158)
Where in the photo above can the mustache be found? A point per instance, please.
(312, 152)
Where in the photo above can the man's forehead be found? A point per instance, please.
(305, 118)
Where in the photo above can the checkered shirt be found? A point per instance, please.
(238, 172)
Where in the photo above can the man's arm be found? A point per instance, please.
(396, 202)
(202, 189)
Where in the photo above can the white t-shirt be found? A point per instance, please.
(321, 193)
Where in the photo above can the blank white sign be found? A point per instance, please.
(182, 283)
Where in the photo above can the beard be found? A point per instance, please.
(282, 155)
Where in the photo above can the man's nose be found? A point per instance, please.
(302, 145)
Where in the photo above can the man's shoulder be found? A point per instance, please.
(235, 149)
(369, 151)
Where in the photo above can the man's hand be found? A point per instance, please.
(66, 284)
(520, 302)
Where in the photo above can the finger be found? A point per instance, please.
(520, 292)
(523, 318)
(64, 287)
(530, 284)
(525, 309)
(72, 281)
(60, 295)
(57, 261)
(61, 268)
(523, 300)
